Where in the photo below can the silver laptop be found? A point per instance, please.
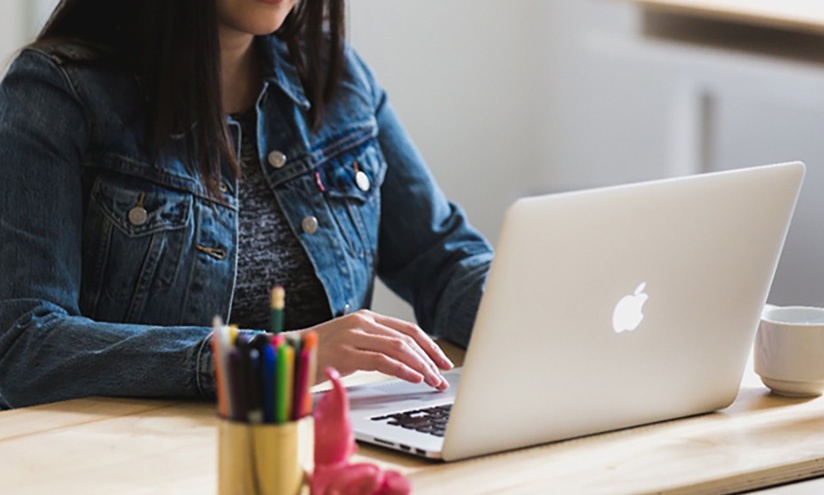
(604, 309)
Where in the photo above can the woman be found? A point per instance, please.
(165, 162)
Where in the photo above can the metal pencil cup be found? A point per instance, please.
(264, 459)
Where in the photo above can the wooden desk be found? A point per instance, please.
(794, 15)
(123, 446)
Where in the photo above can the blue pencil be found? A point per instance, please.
(269, 372)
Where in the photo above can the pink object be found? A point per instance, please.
(335, 444)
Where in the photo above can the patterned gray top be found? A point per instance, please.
(269, 252)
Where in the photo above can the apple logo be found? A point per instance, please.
(629, 310)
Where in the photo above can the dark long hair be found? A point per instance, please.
(172, 47)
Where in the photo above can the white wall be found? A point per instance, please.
(462, 76)
(13, 29)
(522, 97)
(19, 22)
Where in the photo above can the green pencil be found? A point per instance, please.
(278, 303)
(285, 384)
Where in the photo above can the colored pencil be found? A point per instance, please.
(278, 304)
(285, 383)
(310, 345)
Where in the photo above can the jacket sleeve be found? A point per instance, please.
(48, 350)
(429, 254)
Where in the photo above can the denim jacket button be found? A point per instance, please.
(138, 216)
(309, 225)
(277, 159)
(362, 180)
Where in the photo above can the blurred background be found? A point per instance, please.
(524, 97)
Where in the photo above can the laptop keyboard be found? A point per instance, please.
(431, 420)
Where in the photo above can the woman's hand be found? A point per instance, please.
(367, 341)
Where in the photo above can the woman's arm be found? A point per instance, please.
(429, 253)
(48, 350)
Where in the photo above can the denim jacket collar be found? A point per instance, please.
(279, 70)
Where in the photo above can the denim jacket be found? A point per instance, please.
(113, 266)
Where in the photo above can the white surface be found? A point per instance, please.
(20, 20)
(39, 13)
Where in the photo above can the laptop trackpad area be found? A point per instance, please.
(395, 395)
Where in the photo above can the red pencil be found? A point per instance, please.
(301, 384)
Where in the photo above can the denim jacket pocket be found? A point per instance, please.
(351, 183)
(134, 237)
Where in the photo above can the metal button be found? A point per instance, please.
(223, 187)
(346, 309)
(138, 216)
(362, 181)
(277, 159)
(309, 225)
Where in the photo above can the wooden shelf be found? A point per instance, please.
(794, 15)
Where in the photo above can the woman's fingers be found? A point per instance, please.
(397, 342)
(400, 349)
(420, 337)
(367, 341)
(369, 324)
(375, 361)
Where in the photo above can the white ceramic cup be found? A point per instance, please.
(789, 350)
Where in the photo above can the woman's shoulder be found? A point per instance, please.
(87, 69)
(64, 53)
(68, 51)
(77, 64)
(74, 77)
(357, 66)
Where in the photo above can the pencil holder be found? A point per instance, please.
(264, 459)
